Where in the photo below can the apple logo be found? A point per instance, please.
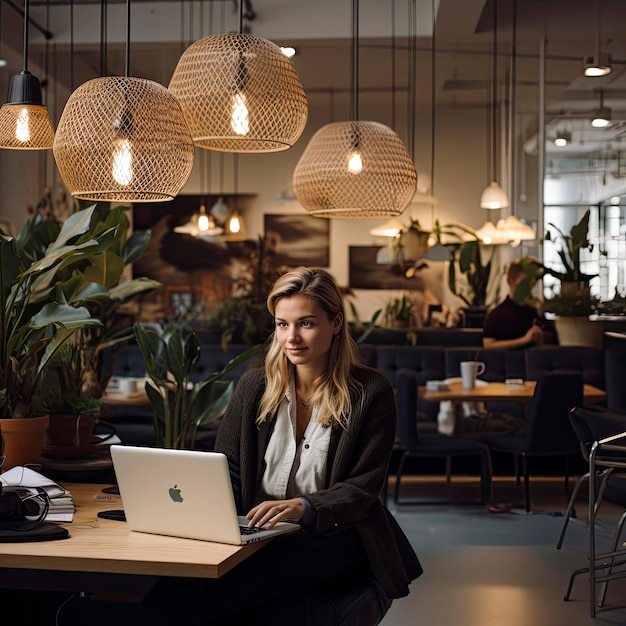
(175, 494)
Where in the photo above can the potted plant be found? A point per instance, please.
(412, 242)
(74, 375)
(399, 311)
(244, 317)
(40, 311)
(573, 303)
(179, 406)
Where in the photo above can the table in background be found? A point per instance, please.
(498, 392)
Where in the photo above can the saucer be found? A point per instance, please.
(94, 448)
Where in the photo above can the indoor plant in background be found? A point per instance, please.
(39, 312)
(179, 406)
(573, 303)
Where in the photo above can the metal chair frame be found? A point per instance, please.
(607, 566)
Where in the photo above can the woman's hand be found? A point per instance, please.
(268, 513)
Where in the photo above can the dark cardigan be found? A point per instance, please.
(358, 461)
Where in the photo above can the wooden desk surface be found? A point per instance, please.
(106, 546)
(497, 392)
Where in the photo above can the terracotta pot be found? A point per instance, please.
(23, 440)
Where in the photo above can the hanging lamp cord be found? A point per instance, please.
(26, 12)
(354, 60)
(432, 111)
(127, 61)
(494, 95)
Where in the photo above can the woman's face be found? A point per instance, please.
(304, 331)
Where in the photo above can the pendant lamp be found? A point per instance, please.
(356, 169)
(24, 121)
(494, 197)
(123, 139)
(240, 93)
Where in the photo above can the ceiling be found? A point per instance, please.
(561, 32)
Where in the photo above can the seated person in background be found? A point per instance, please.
(512, 325)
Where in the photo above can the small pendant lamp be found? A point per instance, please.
(240, 93)
(356, 169)
(494, 197)
(123, 139)
(24, 121)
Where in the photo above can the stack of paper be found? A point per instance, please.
(25, 481)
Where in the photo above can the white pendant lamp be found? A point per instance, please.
(355, 169)
(512, 229)
(390, 228)
(240, 93)
(494, 197)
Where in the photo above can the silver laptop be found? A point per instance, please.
(183, 493)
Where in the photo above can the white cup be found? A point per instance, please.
(469, 371)
(127, 385)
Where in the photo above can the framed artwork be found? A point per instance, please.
(298, 240)
(366, 273)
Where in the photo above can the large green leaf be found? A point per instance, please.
(105, 268)
(135, 246)
(62, 315)
(129, 289)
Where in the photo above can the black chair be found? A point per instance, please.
(592, 425)
(416, 444)
(614, 347)
(547, 431)
(604, 455)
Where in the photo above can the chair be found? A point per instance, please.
(415, 444)
(547, 431)
(592, 425)
(604, 455)
(614, 347)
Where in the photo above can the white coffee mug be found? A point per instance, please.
(127, 385)
(469, 371)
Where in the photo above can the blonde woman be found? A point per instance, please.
(308, 437)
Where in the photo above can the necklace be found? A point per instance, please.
(304, 403)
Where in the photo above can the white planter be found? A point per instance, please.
(579, 331)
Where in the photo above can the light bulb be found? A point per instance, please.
(203, 222)
(355, 164)
(22, 128)
(239, 120)
(234, 225)
(122, 168)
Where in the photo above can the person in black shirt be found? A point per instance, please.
(512, 325)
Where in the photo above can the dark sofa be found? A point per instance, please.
(426, 362)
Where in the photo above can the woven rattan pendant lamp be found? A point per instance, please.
(356, 169)
(240, 93)
(24, 120)
(123, 139)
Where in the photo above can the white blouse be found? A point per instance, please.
(292, 468)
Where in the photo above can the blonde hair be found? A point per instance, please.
(335, 389)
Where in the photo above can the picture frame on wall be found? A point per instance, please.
(366, 273)
(298, 240)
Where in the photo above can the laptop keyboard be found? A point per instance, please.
(246, 530)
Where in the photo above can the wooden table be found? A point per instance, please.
(498, 392)
(103, 546)
(135, 398)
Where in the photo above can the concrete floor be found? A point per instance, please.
(502, 569)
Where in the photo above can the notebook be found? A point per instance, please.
(183, 493)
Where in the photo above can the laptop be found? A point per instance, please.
(183, 493)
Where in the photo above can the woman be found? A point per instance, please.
(308, 438)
